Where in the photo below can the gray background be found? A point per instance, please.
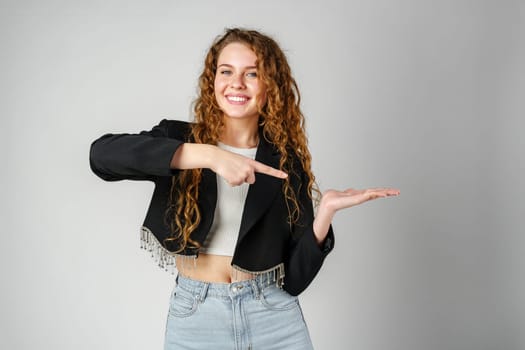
(426, 96)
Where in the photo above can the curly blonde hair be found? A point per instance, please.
(281, 120)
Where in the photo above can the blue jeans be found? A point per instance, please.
(247, 315)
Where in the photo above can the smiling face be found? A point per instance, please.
(238, 90)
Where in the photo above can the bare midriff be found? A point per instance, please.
(211, 268)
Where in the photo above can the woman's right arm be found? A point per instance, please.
(162, 151)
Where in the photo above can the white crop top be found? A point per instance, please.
(228, 212)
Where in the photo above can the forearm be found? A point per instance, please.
(193, 156)
(307, 256)
(322, 222)
(132, 156)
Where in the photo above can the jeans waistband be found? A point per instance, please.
(203, 289)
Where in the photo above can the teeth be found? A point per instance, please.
(237, 98)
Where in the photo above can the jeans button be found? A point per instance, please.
(236, 288)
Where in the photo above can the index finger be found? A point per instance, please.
(268, 170)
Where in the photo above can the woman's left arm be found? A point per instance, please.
(314, 238)
(333, 200)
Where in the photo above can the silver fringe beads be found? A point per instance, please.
(167, 260)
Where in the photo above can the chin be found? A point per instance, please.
(237, 115)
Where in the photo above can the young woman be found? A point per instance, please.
(232, 206)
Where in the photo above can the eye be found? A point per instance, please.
(225, 72)
(251, 74)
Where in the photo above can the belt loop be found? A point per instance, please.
(202, 293)
(255, 287)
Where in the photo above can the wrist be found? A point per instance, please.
(210, 156)
(325, 210)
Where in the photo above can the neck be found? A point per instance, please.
(241, 133)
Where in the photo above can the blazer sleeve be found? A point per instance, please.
(141, 156)
(305, 256)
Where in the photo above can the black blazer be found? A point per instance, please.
(266, 239)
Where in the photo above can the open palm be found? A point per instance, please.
(336, 200)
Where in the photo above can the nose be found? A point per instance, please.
(237, 81)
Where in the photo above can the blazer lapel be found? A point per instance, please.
(262, 192)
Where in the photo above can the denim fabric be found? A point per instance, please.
(253, 314)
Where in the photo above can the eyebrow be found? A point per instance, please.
(230, 66)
